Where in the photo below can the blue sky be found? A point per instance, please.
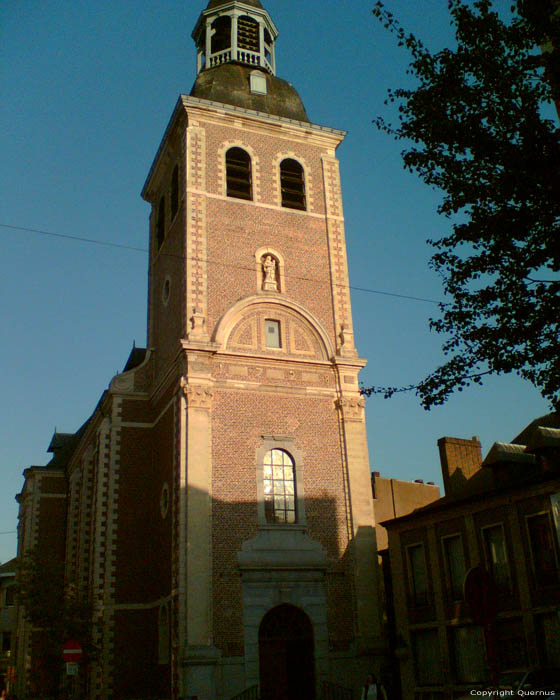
(87, 90)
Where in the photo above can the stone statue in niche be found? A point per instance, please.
(270, 282)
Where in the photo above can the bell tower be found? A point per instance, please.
(252, 352)
(235, 32)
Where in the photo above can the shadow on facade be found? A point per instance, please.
(236, 570)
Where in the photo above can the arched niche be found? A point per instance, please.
(244, 327)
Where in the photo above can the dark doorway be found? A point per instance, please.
(286, 655)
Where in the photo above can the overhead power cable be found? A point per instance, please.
(122, 246)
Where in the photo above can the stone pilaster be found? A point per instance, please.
(199, 654)
(351, 413)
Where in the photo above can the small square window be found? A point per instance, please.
(272, 334)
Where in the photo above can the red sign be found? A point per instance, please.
(72, 652)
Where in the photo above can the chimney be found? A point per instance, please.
(460, 460)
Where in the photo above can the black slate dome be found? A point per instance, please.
(230, 85)
(216, 3)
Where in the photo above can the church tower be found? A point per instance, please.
(250, 329)
(216, 509)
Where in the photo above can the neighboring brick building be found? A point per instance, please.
(218, 500)
(502, 513)
(7, 621)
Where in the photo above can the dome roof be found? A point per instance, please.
(216, 3)
(229, 84)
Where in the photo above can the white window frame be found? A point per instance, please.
(446, 567)
(411, 581)
(550, 517)
(486, 553)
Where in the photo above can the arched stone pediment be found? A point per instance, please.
(243, 329)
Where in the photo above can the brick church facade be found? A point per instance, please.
(217, 505)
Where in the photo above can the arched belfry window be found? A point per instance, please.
(248, 34)
(279, 482)
(268, 44)
(160, 227)
(238, 174)
(292, 184)
(221, 34)
(174, 191)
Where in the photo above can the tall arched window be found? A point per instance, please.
(292, 184)
(238, 174)
(160, 228)
(279, 481)
(174, 191)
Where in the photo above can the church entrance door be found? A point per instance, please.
(286, 655)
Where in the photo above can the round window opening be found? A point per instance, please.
(164, 500)
(166, 290)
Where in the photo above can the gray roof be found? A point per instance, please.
(507, 452)
(9, 568)
(216, 3)
(543, 438)
(551, 420)
(229, 84)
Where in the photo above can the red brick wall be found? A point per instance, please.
(143, 558)
(239, 421)
(136, 656)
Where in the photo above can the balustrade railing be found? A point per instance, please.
(217, 59)
(248, 57)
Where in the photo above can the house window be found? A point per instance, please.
(496, 557)
(160, 228)
(469, 657)
(279, 487)
(511, 644)
(272, 334)
(545, 565)
(454, 565)
(548, 638)
(427, 657)
(238, 174)
(6, 642)
(418, 578)
(9, 596)
(292, 184)
(174, 192)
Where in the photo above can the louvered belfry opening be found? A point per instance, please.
(174, 192)
(238, 174)
(248, 34)
(160, 228)
(292, 184)
(268, 42)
